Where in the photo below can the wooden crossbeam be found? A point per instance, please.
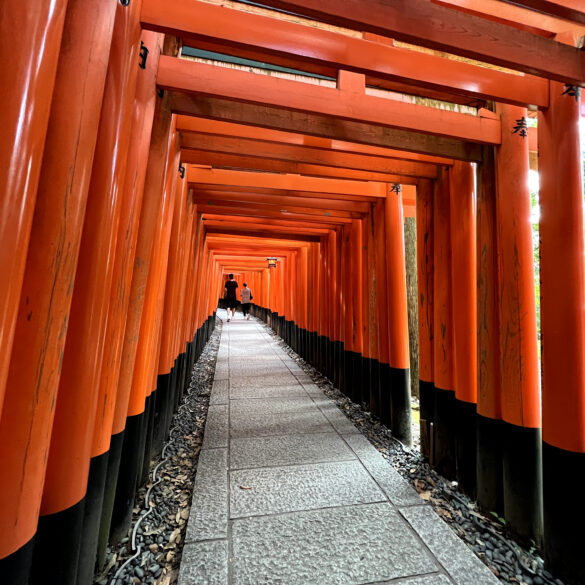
(300, 46)
(323, 126)
(424, 23)
(284, 182)
(346, 101)
(567, 9)
(187, 124)
(239, 162)
(308, 155)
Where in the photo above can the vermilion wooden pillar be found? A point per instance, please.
(64, 495)
(148, 224)
(397, 318)
(562, 290)
(356, 291)
(464, 284)
(30, 38)
(383, 322)
(373, 361)
(520, 388)
(444, 432)
(425, 284)
(489, 429)
(134, 353)
(365, 379)
(25, 428)
(119, 294)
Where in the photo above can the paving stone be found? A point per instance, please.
(217, 427)
(434, 579)
(398, 490)
(337, 546)
(256, 371)
(300, 487)
(219, 392)
(276, 416)
(339, 421)
(204, 563)
(281, 379)
(261, 391)
(287, 450)
(461, 564)
(209, 511)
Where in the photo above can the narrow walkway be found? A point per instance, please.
(288, 492)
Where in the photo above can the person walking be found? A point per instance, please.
(246, 299)
(231, 286)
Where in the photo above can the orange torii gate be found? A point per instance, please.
(123, 204)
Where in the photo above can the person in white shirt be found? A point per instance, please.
(246, 299)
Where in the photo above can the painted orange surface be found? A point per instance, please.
(443, 304)
(396, 275)
(25, 428)
(302, 45)
(425, 279)
(75, 411)
(192, 77)
(27, 78)
(520, 370)
(464, 280)
(149, 224)
(562, 274)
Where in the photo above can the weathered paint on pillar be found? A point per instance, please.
(563, 326)
(27, 78)
(398, 316)
(25, 428)
(520, 389)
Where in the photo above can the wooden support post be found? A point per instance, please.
(28, 78)
(398, 318)
(563, 327)
(374, 323)
(425, 280)
(383, 322)
(65, 497)
(489, 429)
(129, 422)
(464, 285)
(444, 423)
(356, 325)
(25, 428)
(520, 391)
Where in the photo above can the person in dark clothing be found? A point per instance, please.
(231, 286)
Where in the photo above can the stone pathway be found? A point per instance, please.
(288, 492)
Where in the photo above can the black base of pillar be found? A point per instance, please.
(564, 517)
(401, 421)
(98, 471)
(161, 414)
(444, 433)
(366, 382)
(375, 387)
(490, 484)
(522, 480)
(426, 392)
(337, 363)
(16, 567)
(466, 447)
(114, 457)
(130, 465)
(57, 543)
(146, 438)
(385, 395)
